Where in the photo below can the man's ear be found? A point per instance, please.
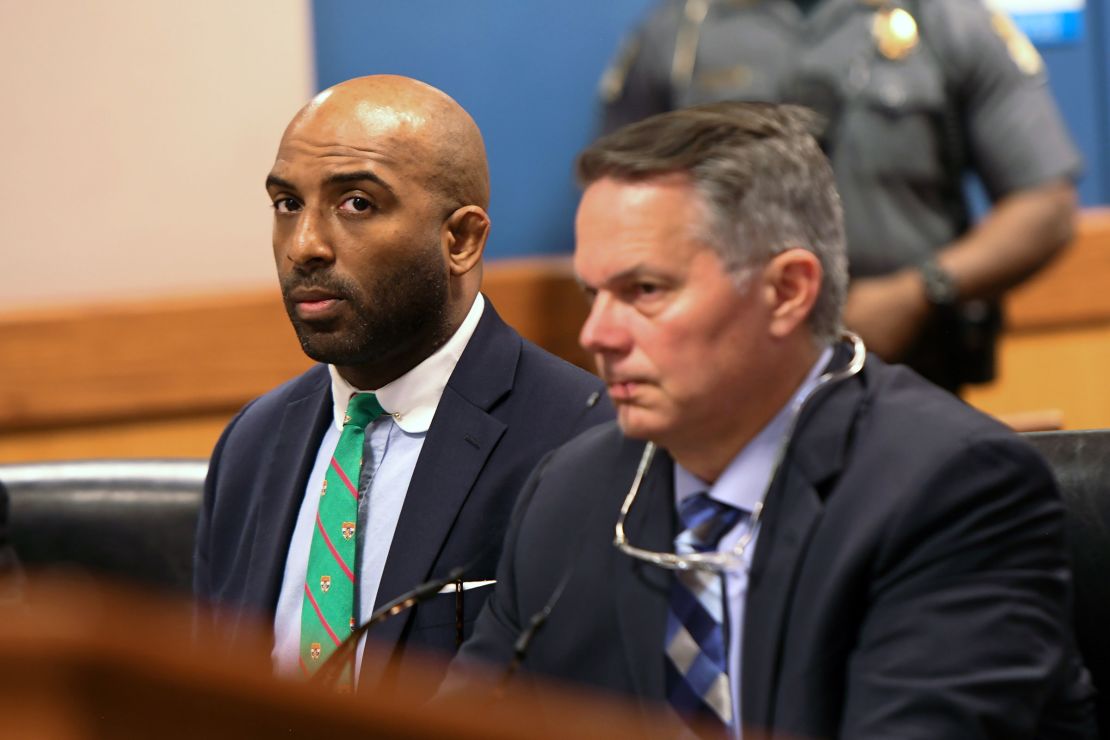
(793, 279)
(464, 236)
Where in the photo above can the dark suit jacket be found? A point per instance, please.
(506, 404)
(909, 580)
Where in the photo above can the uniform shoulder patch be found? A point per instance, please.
(1018, 45)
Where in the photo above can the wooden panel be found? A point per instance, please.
(161, 377)
(143, 360)
(185, 356)
(541, 299)
(1055, 353)
(1073, 289)
(1062, 370)
(190, 436)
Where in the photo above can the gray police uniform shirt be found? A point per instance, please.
(897, 154)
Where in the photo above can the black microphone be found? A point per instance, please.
(331, 668)
(524, 639)
(539, 618)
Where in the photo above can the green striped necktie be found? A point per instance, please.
(327, 615)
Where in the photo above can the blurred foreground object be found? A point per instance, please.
(81, 660)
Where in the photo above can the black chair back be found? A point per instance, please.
(1081, 461)
(131, 520)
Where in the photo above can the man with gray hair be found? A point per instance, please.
(779, 532)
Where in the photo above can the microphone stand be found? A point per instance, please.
(329, 672)
(539, 618)
(524, 639)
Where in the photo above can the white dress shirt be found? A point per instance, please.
(392, 446)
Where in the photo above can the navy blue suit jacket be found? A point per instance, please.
(909, 579)
(506, 404)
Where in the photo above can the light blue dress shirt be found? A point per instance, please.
(743, 484)
(392, 447)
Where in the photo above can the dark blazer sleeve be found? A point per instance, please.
(968, 609)
(499, 623)
(202, 584)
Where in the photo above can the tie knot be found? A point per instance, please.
(706, 520)
(362, 409)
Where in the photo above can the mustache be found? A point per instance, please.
(339, 286)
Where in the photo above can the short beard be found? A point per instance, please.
(400, 310)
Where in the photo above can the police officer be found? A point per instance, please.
(913, 94)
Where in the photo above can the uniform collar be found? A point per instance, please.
(412, 398)
(822, 17)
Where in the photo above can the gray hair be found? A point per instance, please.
(762, 175)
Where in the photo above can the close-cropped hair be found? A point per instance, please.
(762, 176)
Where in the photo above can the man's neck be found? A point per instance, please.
(378, 374)
(372, 376)
(411, 398)
(708, 457)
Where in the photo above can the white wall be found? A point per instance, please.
(134, 139)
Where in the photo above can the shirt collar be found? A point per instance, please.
(412, 398)
(745, 479)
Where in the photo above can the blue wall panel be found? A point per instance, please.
(526, 71)
(1100, 23)
(1078, 76)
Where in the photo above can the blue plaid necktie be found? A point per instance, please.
(696, 654)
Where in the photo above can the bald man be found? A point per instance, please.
(380, 191)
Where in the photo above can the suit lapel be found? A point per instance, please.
(642, 590)
(283, 484)
(782, 542)
(460, 440)
(450, 461)
(792, 511)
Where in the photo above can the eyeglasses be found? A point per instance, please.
(730, 560)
